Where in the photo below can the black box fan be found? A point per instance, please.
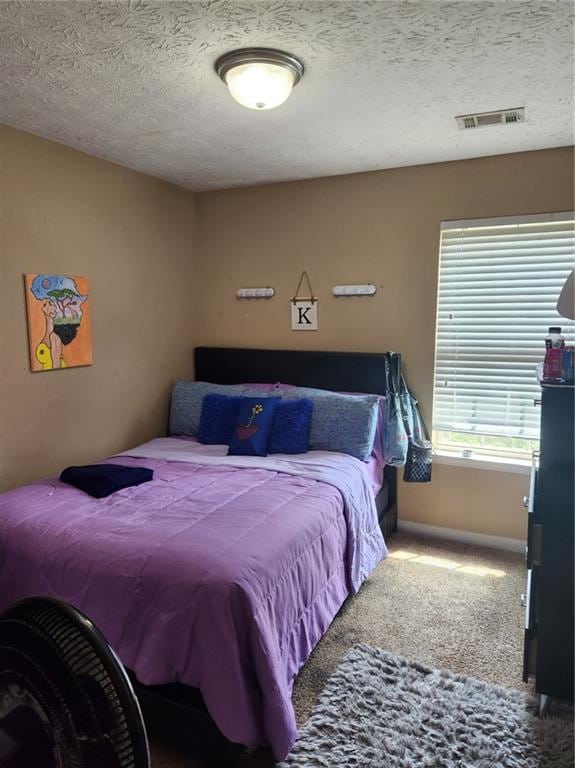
(65, 699)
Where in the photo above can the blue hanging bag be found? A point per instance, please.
(394, 440)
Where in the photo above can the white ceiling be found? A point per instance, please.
(133, 82)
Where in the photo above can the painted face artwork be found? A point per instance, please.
(56, 309)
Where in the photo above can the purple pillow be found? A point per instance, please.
(291, 427)
(218, 419)
(265, 389)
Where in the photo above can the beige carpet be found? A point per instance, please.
(447, 605)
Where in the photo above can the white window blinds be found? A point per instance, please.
(499, 281)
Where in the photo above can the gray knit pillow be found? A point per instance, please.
(341, 423)
(187, 398)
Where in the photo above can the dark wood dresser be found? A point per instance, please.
(548, 654)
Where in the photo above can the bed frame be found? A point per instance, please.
(338, 371)
(176, 712)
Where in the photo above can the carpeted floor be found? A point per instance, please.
(447, 605)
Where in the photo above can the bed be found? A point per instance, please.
(224, 572)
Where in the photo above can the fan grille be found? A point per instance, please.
(91, 682)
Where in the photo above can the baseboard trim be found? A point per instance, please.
(465, 537)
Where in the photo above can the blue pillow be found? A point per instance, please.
(218, 419)
(291, 427)
(253, 426)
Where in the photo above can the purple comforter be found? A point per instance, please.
(222, 573)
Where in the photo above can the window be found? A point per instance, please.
(499, 281)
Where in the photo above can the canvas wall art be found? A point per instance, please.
(59, 322)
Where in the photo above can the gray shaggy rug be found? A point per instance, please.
(381, 711)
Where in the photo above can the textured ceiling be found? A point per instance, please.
(133, 82)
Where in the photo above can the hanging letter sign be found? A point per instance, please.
(303, 315)
(304, 308)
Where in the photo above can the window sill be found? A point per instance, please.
(517, 466)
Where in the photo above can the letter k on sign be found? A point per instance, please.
(303, 315)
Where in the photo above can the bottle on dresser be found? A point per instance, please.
(558, 365)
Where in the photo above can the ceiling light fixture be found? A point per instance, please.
(259, 78)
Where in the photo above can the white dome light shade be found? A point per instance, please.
(260, 85)
(259, 78)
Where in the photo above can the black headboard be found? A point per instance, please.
(338, 371)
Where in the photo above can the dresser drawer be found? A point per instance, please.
(531, 598)
(531, 602)
(534, 531)
(529, 500)
(533, 549)
(529, 655)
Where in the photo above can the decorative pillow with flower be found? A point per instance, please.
(253, 426)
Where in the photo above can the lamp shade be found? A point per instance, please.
(566, 302)
(259, 78)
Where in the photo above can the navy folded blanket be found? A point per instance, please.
(100, 480)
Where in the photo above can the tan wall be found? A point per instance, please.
(478, 500)
(380, 227)
(153, 251)
(132, 236)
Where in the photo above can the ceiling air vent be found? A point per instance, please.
(482, 119)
